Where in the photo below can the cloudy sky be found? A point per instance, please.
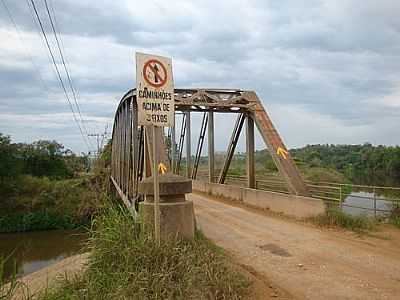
(327, 71)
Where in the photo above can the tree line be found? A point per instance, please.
(41, 159)
(38, 159)
(45, 186)
(362, 164)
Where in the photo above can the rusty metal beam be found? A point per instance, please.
(173, 147)
(180, 145)
(210, 136)
(275, 145)
(231, 147)
(188, 146)
(250, 167)
(200, 145)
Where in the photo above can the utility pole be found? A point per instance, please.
(100, 139)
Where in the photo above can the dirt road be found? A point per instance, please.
(305, 261)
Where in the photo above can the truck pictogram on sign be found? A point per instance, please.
(155, 73)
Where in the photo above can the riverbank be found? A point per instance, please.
(27, 252)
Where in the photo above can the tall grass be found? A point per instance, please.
(7, 287)
(124, 264)
(335, 217)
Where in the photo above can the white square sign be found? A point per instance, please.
(154, 90)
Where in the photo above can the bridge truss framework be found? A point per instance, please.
(132, 149)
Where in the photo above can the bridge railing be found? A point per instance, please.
(374, 199)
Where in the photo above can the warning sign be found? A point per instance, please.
(155, 90)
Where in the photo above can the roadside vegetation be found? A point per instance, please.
(395, 221)
(395, 216)
(334, 217)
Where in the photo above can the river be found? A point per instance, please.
(362, 203)
(29, 252)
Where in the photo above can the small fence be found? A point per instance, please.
(376, 200)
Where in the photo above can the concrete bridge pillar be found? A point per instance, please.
(176, 213)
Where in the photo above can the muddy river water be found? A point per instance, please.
(29, 252)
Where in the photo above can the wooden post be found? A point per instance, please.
(251, 182)
(173, 149)
(188, 147)
(157, 231)
(374, 191)
(210, 137)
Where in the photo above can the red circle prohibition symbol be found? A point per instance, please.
(152, 67)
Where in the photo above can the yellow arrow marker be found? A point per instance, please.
(162, 168)
(282, 152)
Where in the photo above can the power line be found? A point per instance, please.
(58, 72)
(64, 64)
(63, 60)
(101, 138)
(38, 31)
(27, 51)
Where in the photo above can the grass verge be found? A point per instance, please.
(124, 264)
(336, 218)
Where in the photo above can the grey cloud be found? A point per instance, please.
(325, 59)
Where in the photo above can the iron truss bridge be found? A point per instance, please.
(132, 148)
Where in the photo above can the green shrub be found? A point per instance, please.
(126, 265)
(336, 217)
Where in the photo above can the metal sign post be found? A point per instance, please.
(156, 107)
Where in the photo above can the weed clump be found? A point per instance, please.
(395, 216)
(124, 264)
(337, 218)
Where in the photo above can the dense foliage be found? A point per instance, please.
(364, 164)
(41, 203)
(40, 187)
(41, 158)
(35, 221)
